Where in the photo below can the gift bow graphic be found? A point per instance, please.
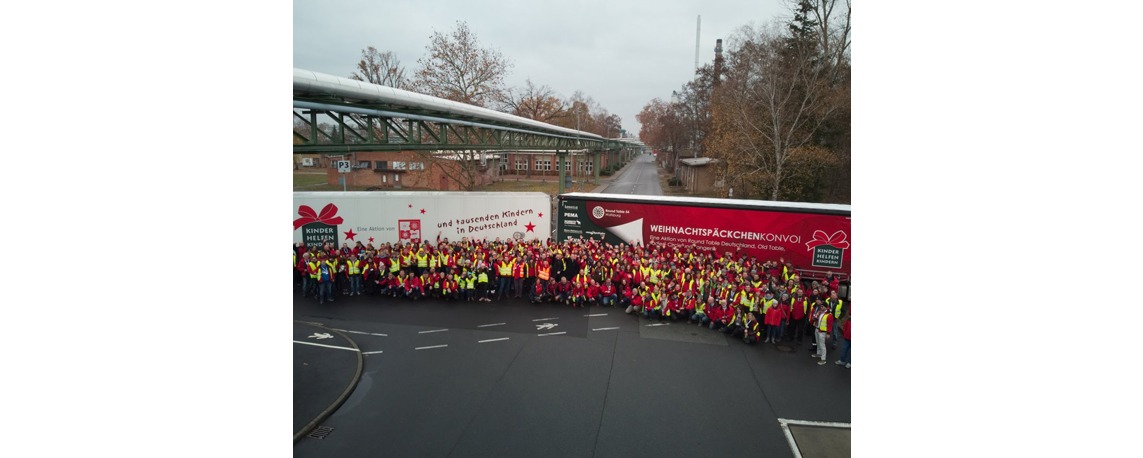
(327, 216)
(820, 238)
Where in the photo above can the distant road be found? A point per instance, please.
(640, 178)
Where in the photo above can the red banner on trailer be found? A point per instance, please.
(809, 240)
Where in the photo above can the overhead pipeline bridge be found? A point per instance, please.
(371, 117)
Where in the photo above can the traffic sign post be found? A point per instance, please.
(343, 167)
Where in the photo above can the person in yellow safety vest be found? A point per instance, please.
(469, 282)
(407, 259)
(310, 276)
(823, 325)
(654, 306)
(749, 301)
(422, 259)
(838, 309)
(353, 269)
(504, 275)
(482, 285)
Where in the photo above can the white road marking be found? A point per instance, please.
(326, 346)
(790, 437)
(605, 329)
(546, 319)
(434, 346)
(597, 314)
(361, 332)
(493, 324)
(434, 330)
(493, 340)
(658, 324)
(372, 352)
(552, 334)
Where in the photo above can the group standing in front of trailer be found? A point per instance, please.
(757, 301)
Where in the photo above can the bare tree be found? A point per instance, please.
(532, 102)
(458, 69)
(380, 68)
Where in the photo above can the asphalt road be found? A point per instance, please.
(515, 379)
(640, 177)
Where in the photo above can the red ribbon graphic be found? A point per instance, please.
(328, 216)
(820, 238)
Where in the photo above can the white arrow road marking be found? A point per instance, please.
(324, 335)
(546, 319)
(493, 340)
(545, 326)
(605, 329)
(551, 334)
(326, 346)
(493, 324)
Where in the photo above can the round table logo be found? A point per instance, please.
(597, 212)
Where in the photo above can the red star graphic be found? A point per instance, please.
(410, 205)
(370, 239)
(541, 215)
(422, 211)
(530, 226)
(350, 235)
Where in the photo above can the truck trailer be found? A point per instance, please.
(410, 216)
(814, 237)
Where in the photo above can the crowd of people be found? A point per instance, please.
(757, 301)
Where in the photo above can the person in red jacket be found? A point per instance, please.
(799, 307)
(845, 337)
(607, 294)
(778, 313)
(415, 287)
(592, 294)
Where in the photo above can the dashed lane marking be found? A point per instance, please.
(605, 329)
(493, 340)
(372, 352)
(434, 330)
(658, 324)
(493, 324)
(597, 314)
(434, 346)
(552, 334)
(546, 319)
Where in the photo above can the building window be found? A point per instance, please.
(382, 165)
(396, 178)
(398, 165)
(521, 164)
(416, 166)
(543, 165)
(363, 164)
(583, 166)
(384, 179)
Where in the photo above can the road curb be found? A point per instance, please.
(344, 395)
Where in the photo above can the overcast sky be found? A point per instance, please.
(622, 53)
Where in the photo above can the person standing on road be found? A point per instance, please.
(822, 328)
(325, 282)
(353, 268)
(838, 308)
(845, 337)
